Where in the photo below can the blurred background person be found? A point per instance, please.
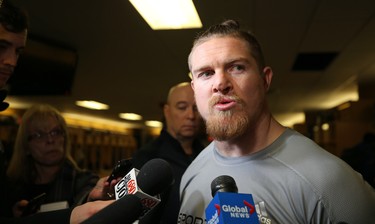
(361, 157)
(42, 163)
(13, 35)
(178, 144)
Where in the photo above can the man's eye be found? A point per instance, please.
(204, 74)
(4, 44)
(237, 68)
(20, 51)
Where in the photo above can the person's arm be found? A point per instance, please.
(56, 217)
(84, 183)
(63, 216)
(85, 211)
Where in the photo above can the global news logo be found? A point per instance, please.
(234, 211)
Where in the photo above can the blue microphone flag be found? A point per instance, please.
(233, 208)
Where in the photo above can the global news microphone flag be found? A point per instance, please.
(233, 208)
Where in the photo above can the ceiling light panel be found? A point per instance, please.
(154, 124)
(168, 14)
(93, 105)
(130, 116)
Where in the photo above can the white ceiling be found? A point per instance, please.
(125, 64)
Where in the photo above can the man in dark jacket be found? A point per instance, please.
(177, 144)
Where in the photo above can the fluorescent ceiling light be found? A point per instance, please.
(340, 99)
(130, 116)
(168, 14)
(325, 127)
(17, 104)
(154, 124)
(88, 121)
(90, 104)
(344, 106)
(290, 119)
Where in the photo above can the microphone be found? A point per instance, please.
(147, 183)
(125, 210)
(228, 206)
(223, 183)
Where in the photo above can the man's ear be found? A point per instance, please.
(166, 109)
(267, 77)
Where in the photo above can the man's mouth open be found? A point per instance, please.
(225, 104)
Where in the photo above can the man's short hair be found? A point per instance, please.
(231, 28)
(13, 19)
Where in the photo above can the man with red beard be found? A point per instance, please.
(291, 178)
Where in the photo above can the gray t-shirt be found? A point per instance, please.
(293, 180)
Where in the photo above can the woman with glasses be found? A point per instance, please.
(42, 165)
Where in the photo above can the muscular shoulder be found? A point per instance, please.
(198, 164)
(333, 181)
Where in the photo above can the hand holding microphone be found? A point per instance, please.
(122, 167)
(104, 189)
(147, 183)
(228, 206)
(136, 193)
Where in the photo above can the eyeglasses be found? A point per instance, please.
(43, 136)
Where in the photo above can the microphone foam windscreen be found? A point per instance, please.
(155, 176)
(223, 183)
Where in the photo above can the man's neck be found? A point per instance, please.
(187, 145)
(253, 140)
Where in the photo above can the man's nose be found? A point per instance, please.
(10, 58)
(222, 83)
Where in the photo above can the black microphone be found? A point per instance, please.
(228, 206)
(147, 183)
(126, 210)
(155, 176)
(223, 183)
